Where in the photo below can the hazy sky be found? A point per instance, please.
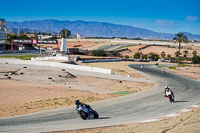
(169, 16)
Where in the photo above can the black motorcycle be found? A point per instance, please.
(87, 113)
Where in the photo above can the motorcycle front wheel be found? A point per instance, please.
(171, 99)
(83, 115)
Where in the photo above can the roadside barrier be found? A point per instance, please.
(56, 64)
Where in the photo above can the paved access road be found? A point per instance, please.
(136, 107)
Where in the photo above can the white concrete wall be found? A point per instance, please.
(55, 64)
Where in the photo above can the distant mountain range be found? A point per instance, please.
(91, 29)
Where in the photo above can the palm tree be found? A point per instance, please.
(65, 33)
(180, 38)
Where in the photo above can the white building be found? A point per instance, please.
(78, 36)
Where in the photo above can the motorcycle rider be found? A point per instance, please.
(163, 71)
(168, 91)
(142, 66)
(78, 103)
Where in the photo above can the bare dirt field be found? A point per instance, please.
(81, 44)
(76, 43)
(33, 89)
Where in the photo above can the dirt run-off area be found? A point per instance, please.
(35, 88)
(192, 71)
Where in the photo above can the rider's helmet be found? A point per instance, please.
(77, 102)
(166, 88)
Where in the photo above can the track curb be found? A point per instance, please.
(172, 114)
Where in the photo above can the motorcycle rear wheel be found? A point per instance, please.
(96, 115)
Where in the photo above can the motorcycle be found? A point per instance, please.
(86, 113)
(142, 66)
(163, 71)
(170, 95)
(171, 98)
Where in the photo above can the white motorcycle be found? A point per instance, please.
(163, 71)
(141, 66)
(170, 96)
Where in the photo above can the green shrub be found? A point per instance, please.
(162, 66)
(154, 56)
(137, 55)
(98, 53)
(22, 57)
(185, 65)
(196, 59)
(121, 93)
(126, 57)
(172, 67)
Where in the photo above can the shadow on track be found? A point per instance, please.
(104, 117)
(180, 101)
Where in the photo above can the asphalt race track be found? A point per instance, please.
(136, 107)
